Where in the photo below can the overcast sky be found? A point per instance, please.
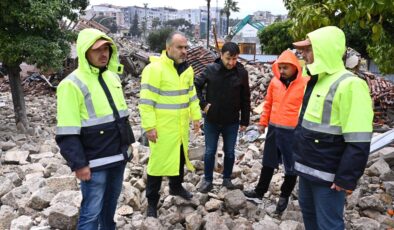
(246, 6)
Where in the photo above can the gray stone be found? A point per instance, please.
(235, 200)
(17, 197)
(7, 214)
(213, 205)
(125, 210)
(5, 146)
(41, 198)
(378, 168)
(35, 158)
(140, 184)
(6, 185)
(63, 216)
(62, 183)
(266, 224)
(73, 198)
(34, 183)
(22, 223)
(387, 176)
(193, 221)
(353, 199)
(131, 196)
(389, 186)
(197, 153)
(213, 221)
(16, 157)
(388, 155)
(292, 215)
(241, 224)
(151, 223)
(365, 223)
(32, 168)
(14, 177)
(290, 225)
(371, 202)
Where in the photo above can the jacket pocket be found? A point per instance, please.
(101, 140)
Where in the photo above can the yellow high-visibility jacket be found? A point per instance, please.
(167, 103)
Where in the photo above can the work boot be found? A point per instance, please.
(151, 211)
(228, 184)
(182, 192)
(282, 204)
(253, 194)
(205, 187)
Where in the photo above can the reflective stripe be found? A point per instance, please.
(166, 93)
(104, 119)
(193, 98)
(327, 106)
(314, 172)
(323, 128)
(105, 160)
(358, 137)
(163, 106)
(172, 106)
(86, 95)
(281, 126)
(68, 130)
(147, 102)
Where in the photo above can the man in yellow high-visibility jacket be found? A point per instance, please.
(168, 102)
(333, 135)
(93, 132)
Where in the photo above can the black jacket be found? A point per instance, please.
(227, 91)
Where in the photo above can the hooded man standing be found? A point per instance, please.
(333, 135)
(93, 131)
(168, 102)
(280, 113)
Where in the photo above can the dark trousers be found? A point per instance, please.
(265, 180)
(154, 182)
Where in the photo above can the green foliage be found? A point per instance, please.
(109, 22)
(157, 39)
(371, 20)
(229, 6)
(134, 29)
(30, 31)
(276, 38)
(180, 25)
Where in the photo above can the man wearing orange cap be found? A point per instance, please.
(93, 131)
(332, 139)
(280, 114)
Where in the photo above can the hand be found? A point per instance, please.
(207, 108)
(242, 128)
(196, 126)
(262, 129)
(83, 173)
(152, 135)
(336, 187)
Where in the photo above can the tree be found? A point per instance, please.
(134, 29)
(229, 6)
(157, 39)
(109, 22)
(180, 24)
(30, 32)
(373, 16)
(156, 22)
(276, 37)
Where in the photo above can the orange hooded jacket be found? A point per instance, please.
(282, 105)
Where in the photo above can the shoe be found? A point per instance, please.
(151, 211)
(282, 204)
(253, 194)
(228, 184)
(205, 187)
(182, 192)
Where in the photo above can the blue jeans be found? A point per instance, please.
(99, 199)
(321, 206)
(229, 134)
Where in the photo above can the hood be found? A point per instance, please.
(86, 38)
(286, 57)
(328, 45)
